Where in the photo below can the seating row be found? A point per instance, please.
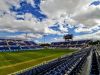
(61, 66)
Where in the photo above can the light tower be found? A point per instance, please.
(26, 35)
(44, 37)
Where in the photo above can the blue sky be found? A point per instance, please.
(28, 8)
(38, 18)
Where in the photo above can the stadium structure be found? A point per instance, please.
(83, 61)
(17, 45)
(49, 37)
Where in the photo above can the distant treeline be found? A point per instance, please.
(95, 42)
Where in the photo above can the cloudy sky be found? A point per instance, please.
(52, 18)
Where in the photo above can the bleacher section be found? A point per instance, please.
(17, 45)
(68, 44)
(94, 65)
(66, 65)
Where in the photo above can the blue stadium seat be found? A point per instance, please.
(3, 43)
(33, 43)
(28, 42)
(68, 64)
(3, 48)
(16, 45)
(25, 48)
(15, 48)
(12, 43)
(81, 42)
(73, 42)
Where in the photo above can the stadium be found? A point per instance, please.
(49, 37)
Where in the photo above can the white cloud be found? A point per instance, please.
(9, 23)
(29, 36)
(58, 7)
(6, 4)
(94, 36)
(8, 30)
(83, 30)
(58, 39)
(80, 11)
(50, 31)
(88, 17)
(86, 29)
(31, 2)
(57, 11)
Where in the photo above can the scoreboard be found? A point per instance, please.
(68, 36)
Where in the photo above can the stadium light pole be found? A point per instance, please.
(44, 38)
(26, 35)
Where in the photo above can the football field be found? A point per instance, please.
(15, 61)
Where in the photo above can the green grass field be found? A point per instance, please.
(15, 61)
